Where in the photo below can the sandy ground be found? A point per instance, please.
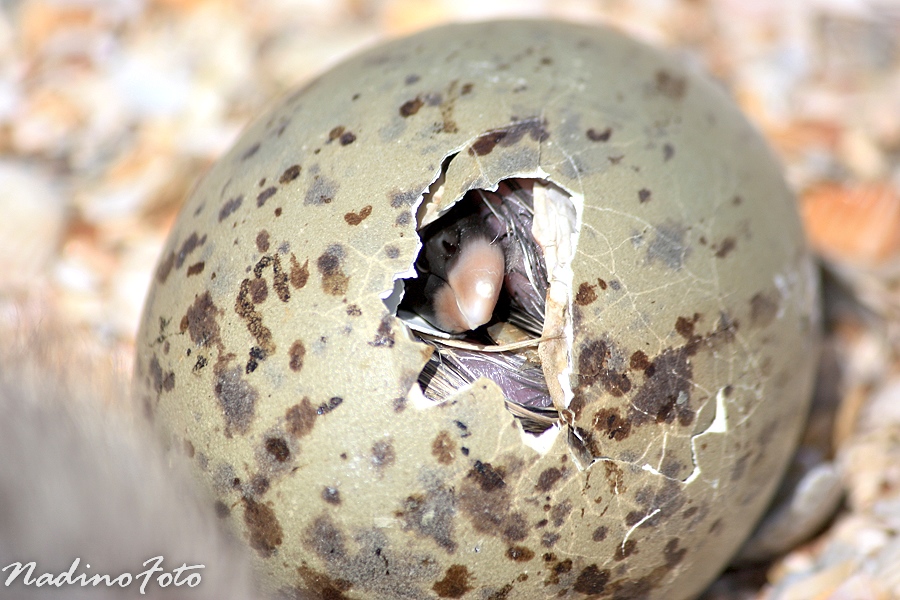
(110, 108)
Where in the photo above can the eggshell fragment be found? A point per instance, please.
(682, 326)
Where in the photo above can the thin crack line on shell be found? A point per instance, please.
(638, 524)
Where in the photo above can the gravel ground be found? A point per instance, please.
(110, 108)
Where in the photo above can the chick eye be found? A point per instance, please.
(449, 247)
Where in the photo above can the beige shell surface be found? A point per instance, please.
(268, 355)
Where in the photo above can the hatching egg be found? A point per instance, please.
(508, 310)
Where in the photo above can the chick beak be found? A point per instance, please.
(474, 284)
(476, 280)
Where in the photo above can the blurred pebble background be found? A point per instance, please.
(109, 110)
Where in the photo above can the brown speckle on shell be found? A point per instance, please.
(329, 263)
(262, 523)
(300, 418)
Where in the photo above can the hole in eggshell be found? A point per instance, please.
(490, 294)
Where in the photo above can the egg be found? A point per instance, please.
(502, 310)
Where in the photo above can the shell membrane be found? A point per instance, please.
(683, 308)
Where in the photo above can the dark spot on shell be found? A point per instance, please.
(296, 355)
(259, 485)
(502, 593)
(404, 199)
(403, 219)
(392, 251)
(585, 294)
(196, 268)
(484, 498)
(200, 321)
(257, 354)
(727, 245)
(189, 449)
(487, 478)
(763, 309)
(264, 528)
(383, 454)
(466, 89)
(510, 135)
(672, 553)
(236, 396)
(609, 422)
(334, 281)
(685, 326)
(321, 586)
(384, 337)
(548, 479)
(165, 267)
(515, 528)
(668, 151)
(299, 275)
(625, 550)
(455, 583)
(300, 418)
(411, 107)
(599, 136)
(246, 309)
(411, 79)
(278, 449)
(595, 363)
(280, 280)
(643, 195)
(278, 212)
(162, 380)
(615, 477)
(443, 448)
(290, 174)
(331, 495)
(669, 85)
(249, 152)
(262, 241)
(599, 534)
(666, 395)
(354, 311)
(668, 245)
(327, 407)
(591, 580)
(221, 509)
(347, 138)
(229, 207)
(355, 218)
(559, 513)
(335, 133)
(321, 191)
(640, 361)
(325, 539)
(189, 245)
(202, 361)
(265, 195)
(259, 291)
(519, 554)
(431, 515)
(557, 568)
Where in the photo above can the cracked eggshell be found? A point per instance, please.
(268, 355)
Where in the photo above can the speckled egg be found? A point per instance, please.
(362, 450)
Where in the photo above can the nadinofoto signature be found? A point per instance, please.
(184, 575)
